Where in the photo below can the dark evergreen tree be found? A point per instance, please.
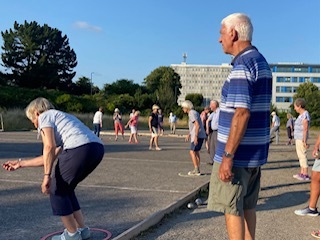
(37, 57)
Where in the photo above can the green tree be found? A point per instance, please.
(37, 57)
(164, 81)
(195, 98)
(122, 86)
(311, 94)
(168, 102)
(82, 86)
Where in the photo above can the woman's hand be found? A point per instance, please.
(45, 186)
(11, 165)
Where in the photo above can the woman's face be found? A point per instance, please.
(297, 108)
(35, 120)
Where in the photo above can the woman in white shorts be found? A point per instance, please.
(133, 124)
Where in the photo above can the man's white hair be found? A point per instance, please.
(187, 104)
(241, 23)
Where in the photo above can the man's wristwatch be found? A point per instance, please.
(228, 155)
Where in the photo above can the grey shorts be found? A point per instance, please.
(316, 166)
(236, 196)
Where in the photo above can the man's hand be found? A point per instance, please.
(225, 170)
(187, 138)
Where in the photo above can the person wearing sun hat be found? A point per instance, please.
(154, 127)
(117, 117)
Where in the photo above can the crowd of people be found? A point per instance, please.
(236, 131)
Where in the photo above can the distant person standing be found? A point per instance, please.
(196, 135)
(243, 131)
(133, 124)
(153, 123)
(204, 117)
(301, 135)
(97, 121)
(160, 121)
(172, 122)
(212, 129)
(275, 125)
(117, 118)
(290, 128)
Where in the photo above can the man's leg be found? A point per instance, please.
(235, 227)
(195, 157)
(250, 220)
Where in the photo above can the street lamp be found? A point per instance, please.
(91, 83)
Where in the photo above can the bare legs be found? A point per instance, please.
(241, 227)
(195, 156)
(314, 189)
(155, 141)
(73, 221)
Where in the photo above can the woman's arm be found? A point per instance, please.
(23, 163)
(49, 148)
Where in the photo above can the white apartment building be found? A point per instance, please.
(208, 80)
(286, 78)
(205, 79)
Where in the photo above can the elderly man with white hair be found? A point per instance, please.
(243, 130)
(196, 135)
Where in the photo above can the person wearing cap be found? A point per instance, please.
(153, 123)
(117, 118)
(196, 135)
(275, 127)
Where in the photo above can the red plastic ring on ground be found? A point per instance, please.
(108, 234)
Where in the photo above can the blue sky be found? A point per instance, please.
(127, 39)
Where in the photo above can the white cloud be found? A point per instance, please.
(86, 26)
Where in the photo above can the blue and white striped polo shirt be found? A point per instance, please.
(249, 85)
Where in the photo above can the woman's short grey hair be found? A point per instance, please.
(300, 102)
(38, 105)
(241, 23)
(187, 104)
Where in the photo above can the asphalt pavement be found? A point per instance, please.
(136, 193)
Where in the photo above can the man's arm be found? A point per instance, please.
(237, 130)
(196, 132)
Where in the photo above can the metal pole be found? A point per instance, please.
(91, 83)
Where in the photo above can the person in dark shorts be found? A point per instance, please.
(196, 135)
(78, 152)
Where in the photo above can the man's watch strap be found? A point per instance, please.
(228, 155)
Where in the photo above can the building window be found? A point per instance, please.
(300, 69)
(284, 99)
(315, 70)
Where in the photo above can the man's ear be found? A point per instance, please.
(234, 35)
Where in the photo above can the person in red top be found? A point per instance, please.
(133, 124)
